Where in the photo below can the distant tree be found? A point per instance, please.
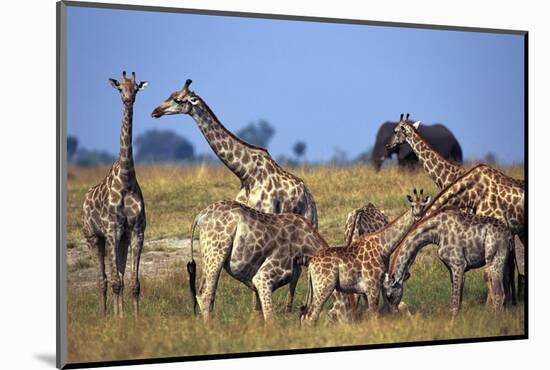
(299, 149)
(490, 158)
(91, 158)
(72, 146)
(286, 161)
(339, 158)
(257, 133)
(163, 146)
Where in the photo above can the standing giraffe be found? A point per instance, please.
(444, 173)
(358, 268)
(114, 211)
(360, 221)
(265, 186)
(486, 191)
(465, 241)
(258, 249)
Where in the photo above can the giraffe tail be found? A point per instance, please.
(192, 268)
(311, 211)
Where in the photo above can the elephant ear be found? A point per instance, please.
(416, 125)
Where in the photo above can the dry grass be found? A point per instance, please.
(174, 195)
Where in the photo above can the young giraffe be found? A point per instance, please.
(258, 249)
(465, 241)
(265, 186)
(443, 172)
(358, 268)
(360, 221)
(114, 211)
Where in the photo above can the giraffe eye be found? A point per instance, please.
(178, 100)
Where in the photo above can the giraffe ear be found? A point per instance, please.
(410, 199)
(416, 125)
(114, 83)
(142, 85)
(428, 199)
(193, 100)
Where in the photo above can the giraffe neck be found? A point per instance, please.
(393, 232)
(438, 168)
(126, 158)
(231, 150)
(466, 192)
(422, 234)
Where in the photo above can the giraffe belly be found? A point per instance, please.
(350, 280)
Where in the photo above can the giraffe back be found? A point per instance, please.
(364, 220)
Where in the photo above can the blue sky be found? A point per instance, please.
(330, 85)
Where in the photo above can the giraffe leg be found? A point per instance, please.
(98, 244)
(321, 289)
(213, 260)
(487, 278)
(339, 310)
(373, 296)
(296, 272)
(121, 258)
(112, 251)
(136, 245)
(264, 287)
(510, 281)
(490, 293)
(457, 280)
(519, 253)
(257, 304)
(344, 307)
(496, 281)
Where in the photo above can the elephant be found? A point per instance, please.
(437, 135)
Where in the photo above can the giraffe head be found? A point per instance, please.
(403, 130)
(418, 203)
(128, 87)
(393, 286)
(179, 102)
(393, 289)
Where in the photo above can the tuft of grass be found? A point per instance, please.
(174, 195)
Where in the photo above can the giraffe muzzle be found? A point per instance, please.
(156, 113)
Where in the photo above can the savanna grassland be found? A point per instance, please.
(167, 327)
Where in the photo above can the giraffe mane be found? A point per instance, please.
(400, 244)
(430, 146)
(232, 135)
(388, 225)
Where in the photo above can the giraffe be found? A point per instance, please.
(465, 241)
(259, 249)
(358, 268)
(114, 211)
(360, 221)
(486, 191)
(265, 186)
(442, 172)
(364, 220)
